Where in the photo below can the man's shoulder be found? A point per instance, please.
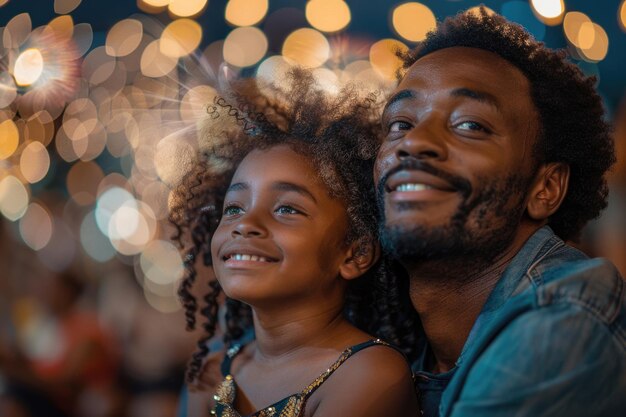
(567, 277)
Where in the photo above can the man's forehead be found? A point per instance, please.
(480, 59)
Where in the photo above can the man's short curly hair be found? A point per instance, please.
(340, 134)
(572, 126)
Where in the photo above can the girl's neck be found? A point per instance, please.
(286, 332)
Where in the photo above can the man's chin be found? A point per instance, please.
(418, 243)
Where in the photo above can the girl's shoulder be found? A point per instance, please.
(376, 380)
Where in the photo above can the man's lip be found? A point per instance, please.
(417, 177)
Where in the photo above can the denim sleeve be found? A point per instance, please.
(559, 360)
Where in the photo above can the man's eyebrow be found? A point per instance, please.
(289, 186)
(238, 186)
(476, 95)
(400, 95)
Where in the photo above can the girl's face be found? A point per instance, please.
(281, 236)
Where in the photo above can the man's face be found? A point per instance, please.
(456, 162)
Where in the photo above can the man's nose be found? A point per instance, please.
(423, 141)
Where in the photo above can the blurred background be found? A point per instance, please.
(99, 107)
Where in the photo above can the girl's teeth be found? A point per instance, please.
(254, 258)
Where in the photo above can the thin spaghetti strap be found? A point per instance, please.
(310, 389)
(228, 358)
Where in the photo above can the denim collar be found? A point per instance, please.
(535, 248)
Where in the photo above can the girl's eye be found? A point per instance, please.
(287, 210)
(232, 210)
(399, 126)
(472, 126)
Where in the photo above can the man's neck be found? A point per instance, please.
(449, 295)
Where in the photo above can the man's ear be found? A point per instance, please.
(548, 190)
(361, 256)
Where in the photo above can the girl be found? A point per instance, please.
(290, 229)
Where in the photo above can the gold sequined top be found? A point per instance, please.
(291, 406)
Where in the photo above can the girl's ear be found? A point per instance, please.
(360, 257)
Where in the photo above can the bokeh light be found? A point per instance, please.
(36, 227)
(593, 42)
(8, 89)
(549, 12)
(621, 17)
(16, 31)
(186, 8)
(306, 47)
(328, 15)
(246, 12)
(62, 26)
(572, 23)
(28, 67)
(154, 63)
(10, 138)
(13, 198)
(34, 162)
(95, 244)
(65, 6)
(82, 182)
(384, 59)
(161, 262)
(245, 46)
(413, 21)
(124, 37)
(180, 38)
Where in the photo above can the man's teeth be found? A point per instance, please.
(254, 258)
(413, 187)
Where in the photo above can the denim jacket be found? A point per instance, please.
(549, 341)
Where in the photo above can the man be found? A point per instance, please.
(495, 152)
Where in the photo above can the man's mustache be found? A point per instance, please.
(460, 184)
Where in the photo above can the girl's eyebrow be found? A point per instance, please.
(289, 186)
(277, 186)
(238, 186)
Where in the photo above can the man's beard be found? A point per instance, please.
(482, 227)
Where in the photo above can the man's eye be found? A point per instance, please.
(232, 210)
(287, 210)
(399, 126)
(473, 126)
